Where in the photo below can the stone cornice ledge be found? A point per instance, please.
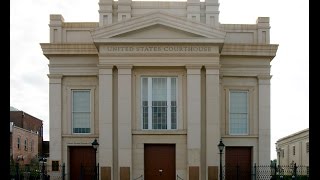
(159, 132)
(250, 49)
(68, 49)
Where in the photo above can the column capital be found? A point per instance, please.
(55, 78)
(193, 66)
(105, 66)
(264, 79)
(124, 66)
(212, 66)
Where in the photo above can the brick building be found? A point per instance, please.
(26, 136)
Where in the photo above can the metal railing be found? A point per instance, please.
(266, 172)
(179, 178)
(139, 178)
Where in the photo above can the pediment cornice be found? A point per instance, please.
(202, 32)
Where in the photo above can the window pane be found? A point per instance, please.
(81, 111)
(162, 99)
(238, 112)
(144, 95)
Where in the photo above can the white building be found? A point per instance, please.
(158, 84)
(294, 148)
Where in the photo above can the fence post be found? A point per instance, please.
(294, 171)
(237, 171)
(255, 171)
(98, 172)
(17, 172)
(63, 170)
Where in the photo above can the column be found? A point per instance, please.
(55, 114)
(212, 120)
(124, 121)
(194, 120)
(264, 119)
(105, 121)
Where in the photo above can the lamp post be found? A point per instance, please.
(220, 146)
(95, 145)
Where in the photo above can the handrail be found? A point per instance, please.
(179, 178)
(140, 177)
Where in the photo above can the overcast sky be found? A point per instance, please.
(289, 21)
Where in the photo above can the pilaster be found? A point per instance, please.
(105, 119)
(55, 116)
(124, 120)
(194, 120)
(264, 119)
(212, 117)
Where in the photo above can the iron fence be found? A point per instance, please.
(266, 172)
(35, 172)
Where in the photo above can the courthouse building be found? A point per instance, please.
(158, 84)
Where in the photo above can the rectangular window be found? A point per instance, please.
(282, 153)
(18, 143)
(31, 145)
(307, 147)
(159, 102)
(26, 144)
(81, 111)
(238, 113)
(294, 150)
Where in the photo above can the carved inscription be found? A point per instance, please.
(158, 49)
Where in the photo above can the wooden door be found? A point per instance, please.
(159, 161)
(238, 163)
(82, 162)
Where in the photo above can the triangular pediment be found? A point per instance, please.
(157, 27)
(158, 31)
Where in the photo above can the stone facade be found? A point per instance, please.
(134, 40)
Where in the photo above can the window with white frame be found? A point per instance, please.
(307, 147)
(238, 112)
(159, 102)
(81, 112)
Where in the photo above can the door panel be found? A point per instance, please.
(238, 163)
(82, 162)
(159, 161)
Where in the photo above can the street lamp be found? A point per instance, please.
(221, 146)
(95, 145)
